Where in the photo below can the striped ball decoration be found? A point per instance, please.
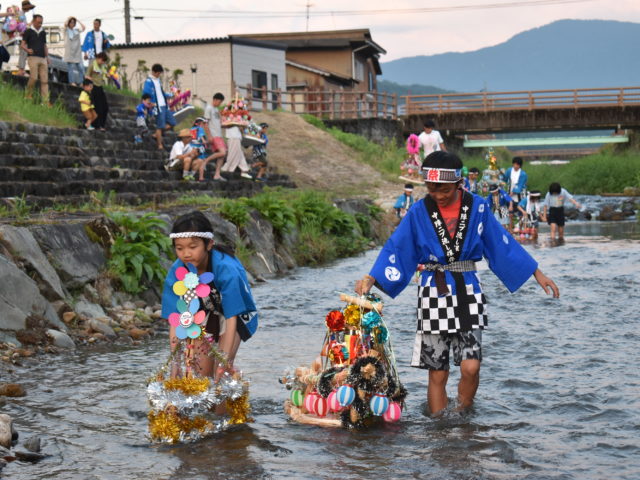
(346, 395)
(332, 402)
(296, 397)
(321, 407)
(379, 404)
(393, 413)
(310, 401)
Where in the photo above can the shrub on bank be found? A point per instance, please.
(14, 107)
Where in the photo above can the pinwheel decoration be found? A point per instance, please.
(190, 287)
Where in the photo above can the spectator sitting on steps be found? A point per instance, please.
(184, 156)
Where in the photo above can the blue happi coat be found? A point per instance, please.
(422, 238)
(230, 279)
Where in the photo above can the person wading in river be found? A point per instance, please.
(446, 233)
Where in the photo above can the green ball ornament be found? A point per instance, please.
(297, 398)
(465, 172)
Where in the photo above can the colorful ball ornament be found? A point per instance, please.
(332, 401)
(393, 413)
(296, 397)
(320, 408)
(310, 401)
(346, 395)
(379, 404)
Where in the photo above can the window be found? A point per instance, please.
(258, 80)
(359, 70)
(274, 87)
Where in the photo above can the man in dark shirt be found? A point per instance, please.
(34, 42)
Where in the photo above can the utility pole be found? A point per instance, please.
(309, 5)
(127, 21)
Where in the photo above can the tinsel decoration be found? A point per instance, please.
(188, 386)
(370, 320)
(352, 316)
(239, 409)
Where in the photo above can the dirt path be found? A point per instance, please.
(314, 159)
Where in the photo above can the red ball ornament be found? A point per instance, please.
(335, 320)
(310, 401)
(393, 413)
(320, 407)
(332, 401)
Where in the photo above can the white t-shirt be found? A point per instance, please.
(515, 176)
(159, 95)
(179, 148)
(430, 142)
(97, 38)
(557, 200)
(233, 132)
(212, 114)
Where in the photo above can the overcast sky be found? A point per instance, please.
(402, 27)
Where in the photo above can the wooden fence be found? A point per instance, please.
(522, 100)
(332, 104)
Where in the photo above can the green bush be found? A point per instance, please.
(235, 211)
(137, 250)
(274, 207)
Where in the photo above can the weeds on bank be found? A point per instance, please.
(385, 158)
(14, 107)
(136, 253)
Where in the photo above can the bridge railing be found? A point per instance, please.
(522, 100)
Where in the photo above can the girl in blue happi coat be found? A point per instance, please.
(206, 296)
(447, 232)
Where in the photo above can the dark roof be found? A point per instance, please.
(203, 41)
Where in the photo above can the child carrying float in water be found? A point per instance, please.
(411, 166)
(208, 304)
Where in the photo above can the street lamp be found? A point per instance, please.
(194, 84)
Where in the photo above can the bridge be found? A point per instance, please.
(525, 111)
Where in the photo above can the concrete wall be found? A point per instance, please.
(213, 60)
(377, 130)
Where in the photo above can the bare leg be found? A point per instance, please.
(436, 391)
(553, 226)
(560, 233)
(469, 381)
(158, 136)
(228, 344)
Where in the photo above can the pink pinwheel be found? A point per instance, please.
(190, 281)
(188, 319)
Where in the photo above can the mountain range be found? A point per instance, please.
(564, 54)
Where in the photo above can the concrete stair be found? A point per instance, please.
(49, 165)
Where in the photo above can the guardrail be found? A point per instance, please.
(332, 104)
(522, 100)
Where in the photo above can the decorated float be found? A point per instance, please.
(235, 113)
(182, 402)
(492, 175)
(410, 168)
(354, 382)
(15, 23)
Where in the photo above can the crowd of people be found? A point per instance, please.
(516, 208)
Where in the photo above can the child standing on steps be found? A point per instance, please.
(230, 314)
(87, 108)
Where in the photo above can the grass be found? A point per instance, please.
(14, 107)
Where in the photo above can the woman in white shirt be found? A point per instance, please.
(73, 50)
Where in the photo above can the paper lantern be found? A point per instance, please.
(332, 402)
(310, 402)
(320, 406)
(379, 404)
(393, 413)
(296, 397)
(346, 395)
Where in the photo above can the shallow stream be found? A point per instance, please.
(559, 396)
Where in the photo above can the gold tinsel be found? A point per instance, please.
(352, 315)
(239, 410)
(188, 386)
(168, 425)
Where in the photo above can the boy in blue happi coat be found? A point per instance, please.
(447, 232)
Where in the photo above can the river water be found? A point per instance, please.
(559, 396)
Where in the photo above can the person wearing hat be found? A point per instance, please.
(471, 182)
(184, 156)
(73, 50)
(404, 201)
(532, 210)
(500, 203)
(199, 142)
(447, 232)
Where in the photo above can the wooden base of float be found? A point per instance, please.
(297, 415)
(417, 181)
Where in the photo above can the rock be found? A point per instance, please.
(75, 257)
(32, 444)
(61, 339)
(98, 326)
(6, 337)
(225, 231)
(88, 309)
(91, 293)
(12, 390)
(105, 291)
(610, 213)
(28, 456)
(69, 317)
(129, 306)
(138, 333)
(21, 297)
(5, 430)
(260, 239)
(24, 245)
(631, 191)
(61, 307)
(140, 303)
(4, 451)
(148, 311)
